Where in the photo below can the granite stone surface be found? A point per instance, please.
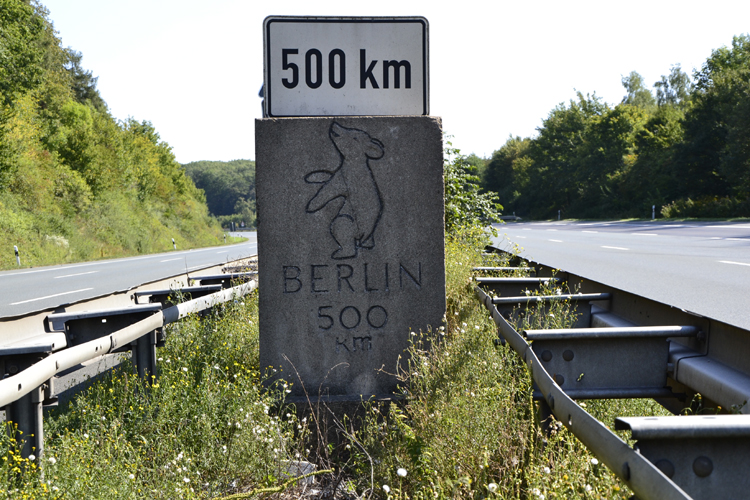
(350, 248)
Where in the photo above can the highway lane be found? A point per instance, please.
(703, 267)
(28, 290)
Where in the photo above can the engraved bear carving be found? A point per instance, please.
(352, 185)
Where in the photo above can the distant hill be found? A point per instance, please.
(229, 187)
(75, 182)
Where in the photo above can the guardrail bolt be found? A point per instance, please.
(559, 379)
(626, 471)
(568, 355)
(546, 355)
(666, 467)
(703, 466)
(12, 369)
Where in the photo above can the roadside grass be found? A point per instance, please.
(465, 427)
(468, 427)
(204, 429)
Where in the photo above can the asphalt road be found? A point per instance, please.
(28, 290)
(703, 267)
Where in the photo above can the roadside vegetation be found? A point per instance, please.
(683, 146)
(463, 424)
(76, 183)
(464, 427)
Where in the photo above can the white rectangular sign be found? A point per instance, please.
(354, 66)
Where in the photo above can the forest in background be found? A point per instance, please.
(75, 182)
(229, 187)
(684, 148)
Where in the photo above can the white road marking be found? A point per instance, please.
(615, 248)
(737, 239)
(735, 263)
(170, 260)
(742, 226)
(525, 229)
(77, 274)
(644, 234)
(51, 296)
(715, 238)
(592, 232)
(557, 241)
(551, 229)
(223, 251)
(522, 237)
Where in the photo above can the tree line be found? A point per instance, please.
(684, 147)
(229, 187)
(75, 182)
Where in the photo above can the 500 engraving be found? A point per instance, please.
(350, 317)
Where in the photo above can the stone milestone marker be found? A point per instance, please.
(350, 248)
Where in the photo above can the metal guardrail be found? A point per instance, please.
(641, 475)
(33, 370)
(612, 357)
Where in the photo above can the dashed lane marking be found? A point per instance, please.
(51, 296)
(77, 274)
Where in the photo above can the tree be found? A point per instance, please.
(673, 89)
(507, 172)
(465, 204)
(83, 83)
(21, 57)
(638, 94)
(229, 186)
(715, 155)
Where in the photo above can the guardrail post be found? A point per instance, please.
(174, 245)
(26, 412)
(18, 258)
(144, 354)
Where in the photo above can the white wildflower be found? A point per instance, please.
(401, 472)
(131, 476)
(492, 487)
(32, 457)
(52, 460)
(594, 461)
(386, 488)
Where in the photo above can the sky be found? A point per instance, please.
(193, 68)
